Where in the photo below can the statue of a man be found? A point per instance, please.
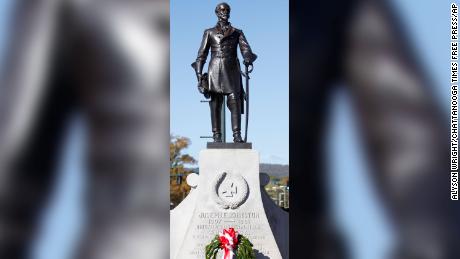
(224, 76)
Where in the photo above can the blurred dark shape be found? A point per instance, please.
(108, 60)
(362, 45)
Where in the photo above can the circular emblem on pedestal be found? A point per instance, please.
(229, 190)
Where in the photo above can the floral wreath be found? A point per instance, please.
(232, 243)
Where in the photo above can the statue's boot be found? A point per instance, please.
(234, 106)
(217, 136)
(237, 137)
(216, 116)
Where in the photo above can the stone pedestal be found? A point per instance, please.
(228, 193)
(227, 145)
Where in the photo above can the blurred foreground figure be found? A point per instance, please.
(360, 44)
(109, 61)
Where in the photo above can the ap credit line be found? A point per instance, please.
(454, 103)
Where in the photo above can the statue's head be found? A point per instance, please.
(223, 12)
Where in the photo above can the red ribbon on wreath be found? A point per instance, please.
(228, 241)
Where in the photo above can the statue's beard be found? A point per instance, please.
(222, 18)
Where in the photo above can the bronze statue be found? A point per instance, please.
(224, 73)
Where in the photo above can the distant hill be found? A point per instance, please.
(275, 169)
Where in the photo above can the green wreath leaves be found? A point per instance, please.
(243, 250)
(212, 248)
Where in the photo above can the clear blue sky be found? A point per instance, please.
(267, 31)
(357, 210)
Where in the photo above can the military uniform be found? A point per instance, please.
(224, 76)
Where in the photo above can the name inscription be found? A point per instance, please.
(209, 224)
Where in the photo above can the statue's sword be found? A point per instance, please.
(246, 75)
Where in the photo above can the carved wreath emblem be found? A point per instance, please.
(229, 190)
